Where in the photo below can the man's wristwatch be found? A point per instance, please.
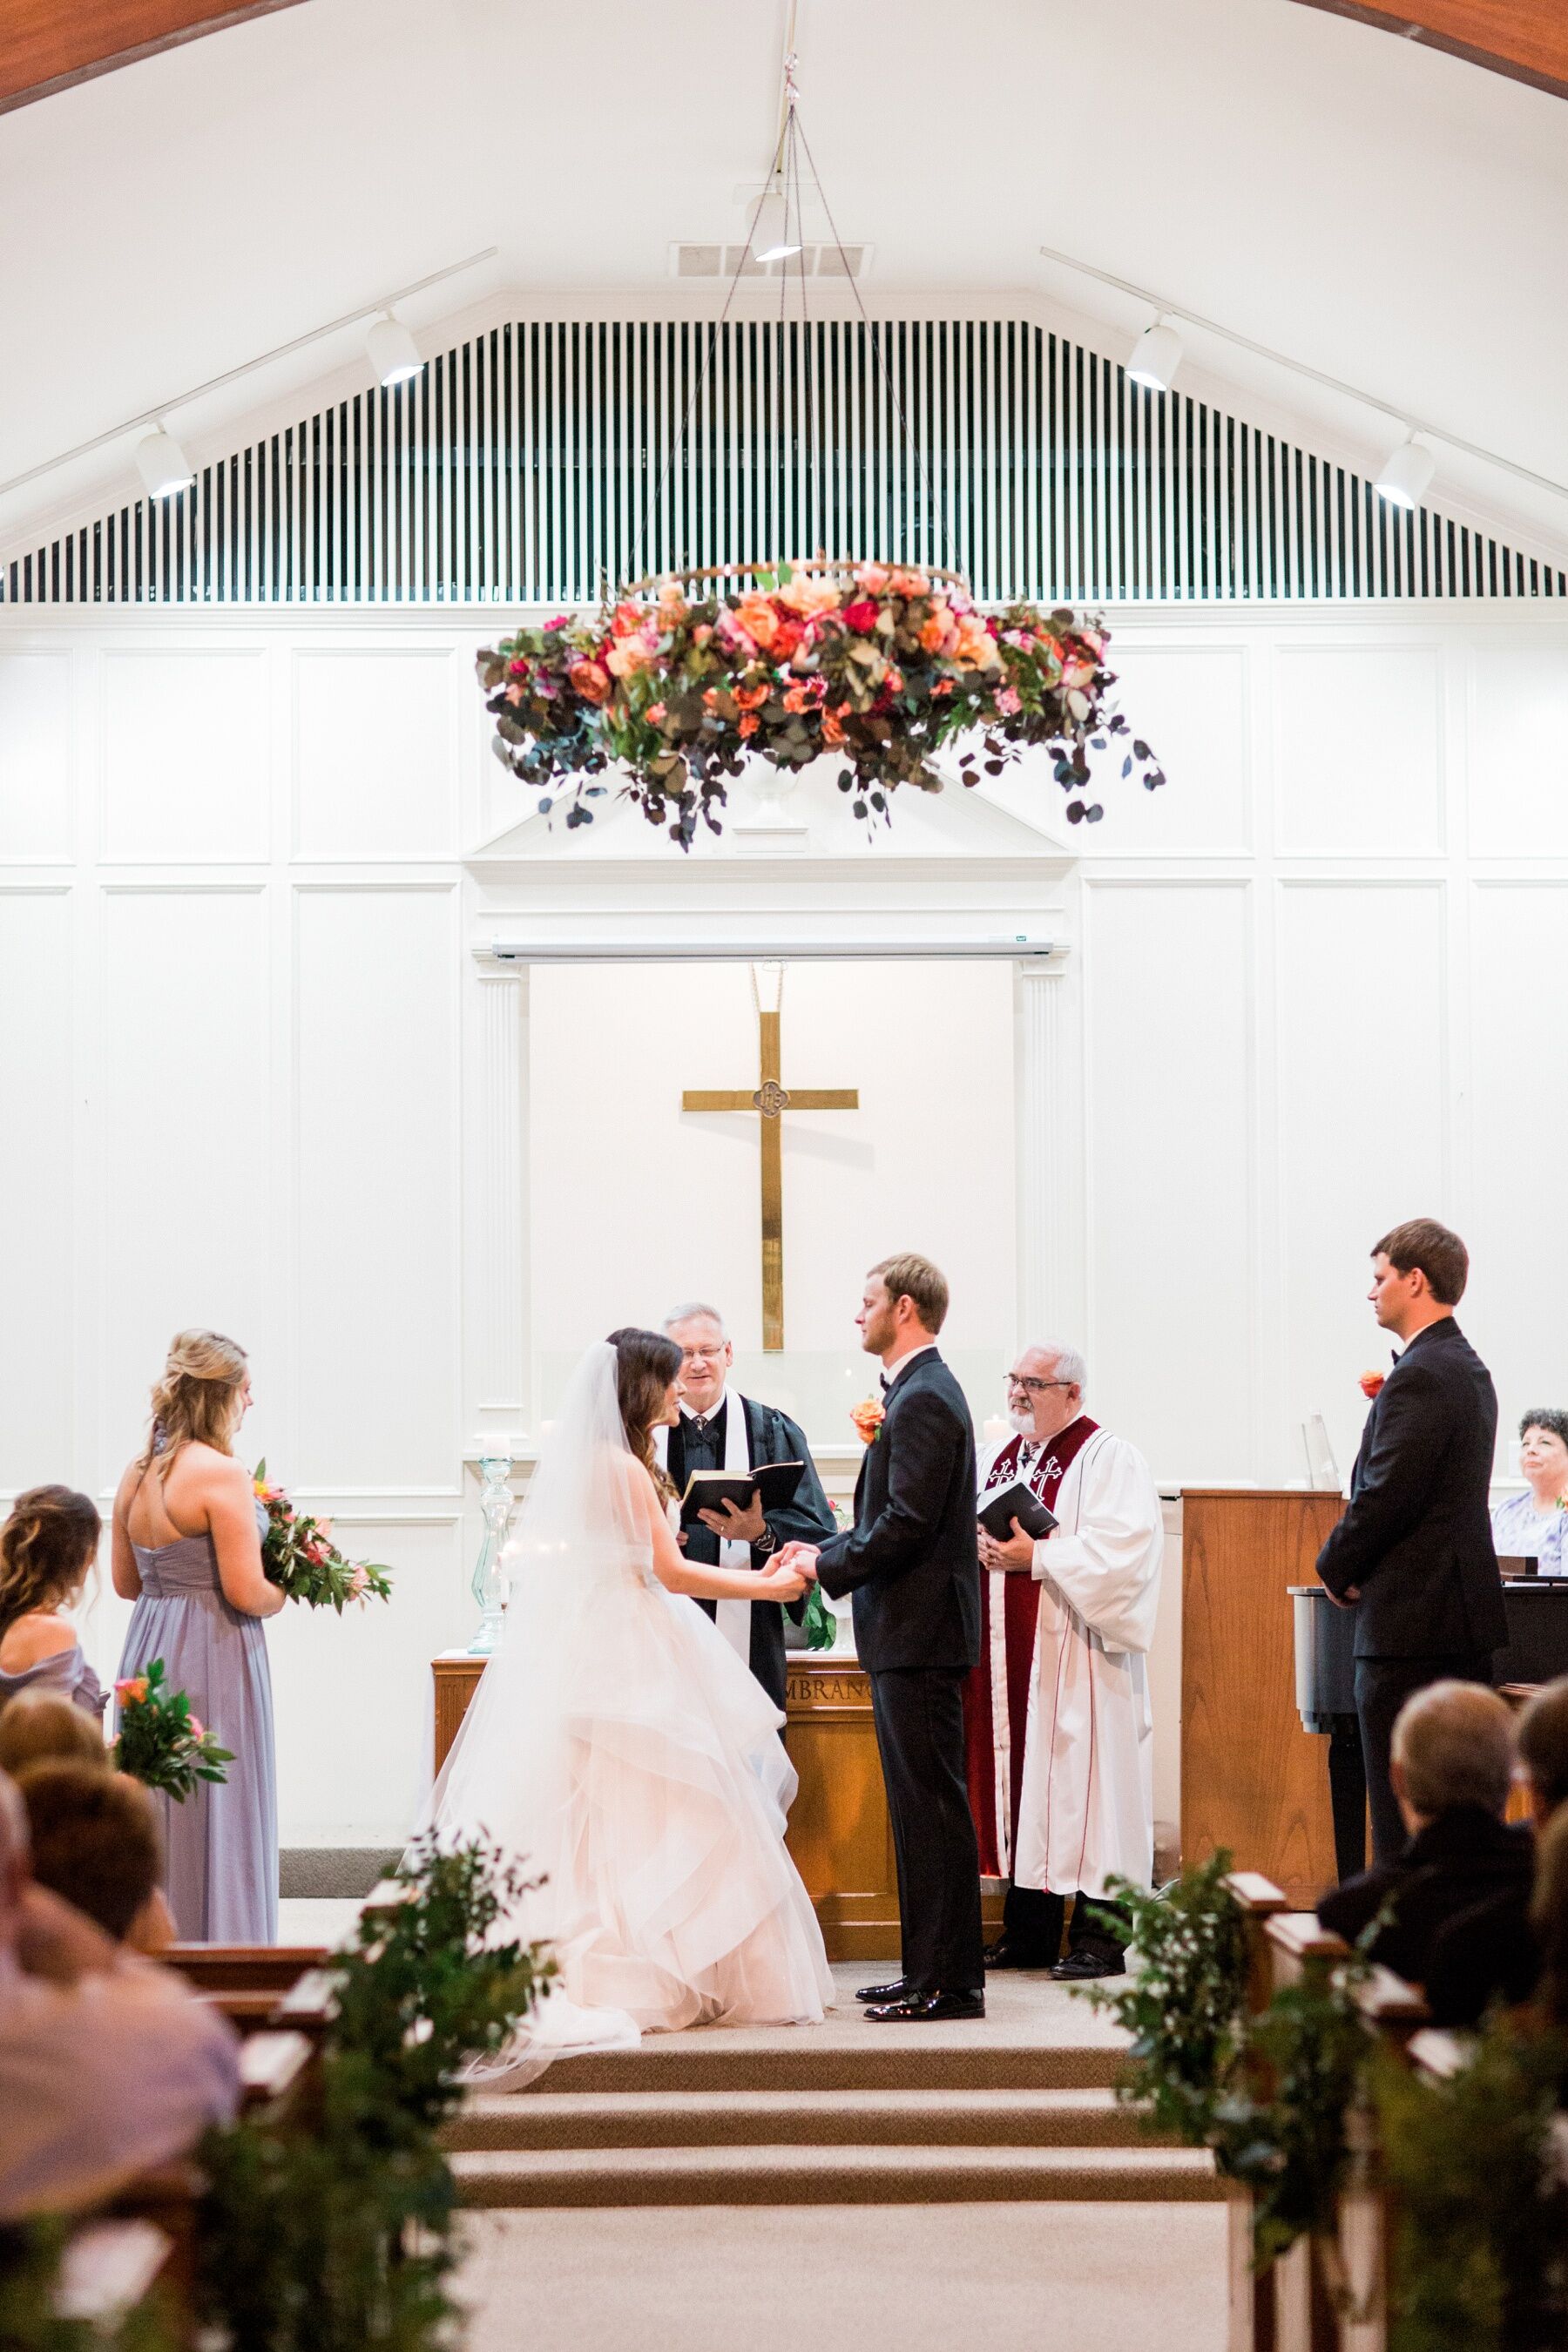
(767, 1542)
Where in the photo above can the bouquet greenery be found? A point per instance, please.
(161, 1743)
(299, 1554)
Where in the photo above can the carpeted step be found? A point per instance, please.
(882, 2059)
(825, 2120)
(774, 2174)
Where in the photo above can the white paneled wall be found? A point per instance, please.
(254, 1075)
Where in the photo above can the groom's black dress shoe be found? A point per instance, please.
(1007, 1952)
(897, 1990)
(928, 2009)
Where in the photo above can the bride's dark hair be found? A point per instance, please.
(646, 1363)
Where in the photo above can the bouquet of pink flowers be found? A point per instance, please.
(161, 1743)
(299, 1554)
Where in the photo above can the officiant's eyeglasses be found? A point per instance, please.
(1016, 1381)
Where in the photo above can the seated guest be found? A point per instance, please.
(46, 1548)
(1534, 1525)
(1549, 1920)
(1488, 1952)
(110, 2067)
(1543, 1750)
(1451, 1766)
(39, 1730)
(94, 1840)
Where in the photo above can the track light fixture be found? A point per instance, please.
(1156, 356)
(393, 354)
(1406, 474)
(771, 240)
(163, 465)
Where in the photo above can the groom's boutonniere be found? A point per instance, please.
(1371, 1382)
(867, 1417)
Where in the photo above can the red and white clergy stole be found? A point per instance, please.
(996, 1693)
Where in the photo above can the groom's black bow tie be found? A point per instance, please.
(887, 1383)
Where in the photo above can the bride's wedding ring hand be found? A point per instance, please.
(782, 1583)
(800, 1559)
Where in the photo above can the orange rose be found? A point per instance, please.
(808, 596)
(591, 679)
(756, 616)
(867, 1417)
(976, 647)
(934, 631)
(626, 620)
(631, 655)
(832, 732)
(749, 724)
(752, 698)
(797, 699)
(1371, 1382)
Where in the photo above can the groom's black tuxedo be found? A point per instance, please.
(912, 1564)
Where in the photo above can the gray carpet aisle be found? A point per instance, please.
(870, 2187)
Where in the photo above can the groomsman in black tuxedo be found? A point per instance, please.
(913, 1566)
(718, 1429)
(1414, 1550)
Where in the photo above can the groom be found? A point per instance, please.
(913, 1565)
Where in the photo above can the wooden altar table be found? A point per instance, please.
(838, 1831)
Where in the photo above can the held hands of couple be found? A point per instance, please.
(1018, 1554)
(795, 1568)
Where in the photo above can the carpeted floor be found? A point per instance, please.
(880, 2278)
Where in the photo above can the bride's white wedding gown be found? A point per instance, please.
(618, 1744)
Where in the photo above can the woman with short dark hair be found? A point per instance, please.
(1534, 1525)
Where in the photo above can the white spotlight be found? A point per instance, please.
(1156, 356)
(771, 237)
(393, 354)
(163, 465)
(1406, 474)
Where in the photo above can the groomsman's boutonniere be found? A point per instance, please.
(867, 1417)
(1371, 1382)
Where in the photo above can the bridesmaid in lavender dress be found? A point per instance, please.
(187, 1550)
(46, 1548)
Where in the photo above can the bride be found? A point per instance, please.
(617, 1743)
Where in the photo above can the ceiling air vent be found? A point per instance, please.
(724, 261)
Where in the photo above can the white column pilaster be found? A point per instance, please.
(1052, 1226)
(498, 1355)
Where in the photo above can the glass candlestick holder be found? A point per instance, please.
(489, 1580)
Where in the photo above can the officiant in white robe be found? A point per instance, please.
(1078, 1803)
(722, 1429)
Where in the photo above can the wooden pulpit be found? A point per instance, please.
(1254, 1779)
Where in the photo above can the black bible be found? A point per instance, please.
(998, 1511)
(709, 1490)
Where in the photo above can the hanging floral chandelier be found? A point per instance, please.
(680, 681)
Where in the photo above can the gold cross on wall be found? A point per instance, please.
(770, 1101)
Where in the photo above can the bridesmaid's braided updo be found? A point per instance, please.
(197, 1401)
(47, 1547)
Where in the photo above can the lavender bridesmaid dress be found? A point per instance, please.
(222, 1842)
(65, 1674)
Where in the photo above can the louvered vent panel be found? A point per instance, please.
(533, 464)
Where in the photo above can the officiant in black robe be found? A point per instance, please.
(718, 1429)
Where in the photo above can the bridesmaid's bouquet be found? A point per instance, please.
(161, 1743)
(299, 1554)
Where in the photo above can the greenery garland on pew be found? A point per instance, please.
(1268, 2096)
(338, 2238)
(1476, 2166)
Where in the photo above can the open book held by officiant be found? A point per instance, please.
(774, 1484)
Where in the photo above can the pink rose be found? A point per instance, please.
(198, 1728)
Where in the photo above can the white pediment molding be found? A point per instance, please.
(954, 868)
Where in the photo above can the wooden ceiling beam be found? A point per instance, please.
(50, 45)
(1526, 39)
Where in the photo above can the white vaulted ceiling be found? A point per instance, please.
(1388, 215)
